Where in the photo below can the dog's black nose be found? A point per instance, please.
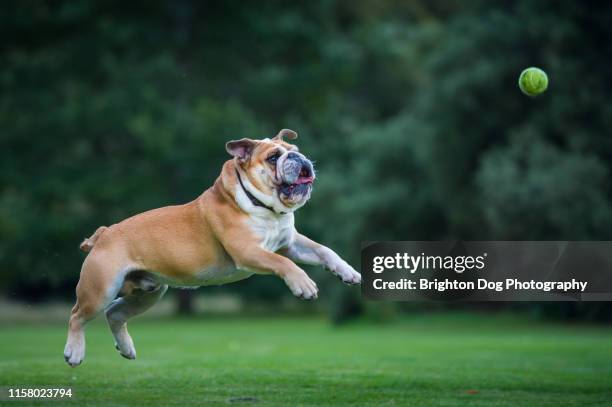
(306, 169)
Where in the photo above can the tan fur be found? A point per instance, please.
(176, 241)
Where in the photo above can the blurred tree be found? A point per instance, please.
(559, 194)
(411, 110)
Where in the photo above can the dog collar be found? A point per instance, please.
(252, 198)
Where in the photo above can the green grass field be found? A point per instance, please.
(436, 360)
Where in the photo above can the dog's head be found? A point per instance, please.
(274, 171)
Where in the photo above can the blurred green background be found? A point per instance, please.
(413, 115)
(410, 109)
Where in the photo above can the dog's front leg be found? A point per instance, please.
(261, 261)
(304, 250)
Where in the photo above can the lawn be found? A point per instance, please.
(441, 360)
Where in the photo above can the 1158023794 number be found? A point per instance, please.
(20, 392)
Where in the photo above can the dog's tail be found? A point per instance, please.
(90, 241)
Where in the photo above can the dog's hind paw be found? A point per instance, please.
(74, 355)
(129, 351)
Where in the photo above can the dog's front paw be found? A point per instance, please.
(302, 286)
(345, 272)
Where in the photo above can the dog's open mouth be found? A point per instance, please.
(305, 177)
(301, 184)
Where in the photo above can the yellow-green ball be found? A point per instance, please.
(533, 81)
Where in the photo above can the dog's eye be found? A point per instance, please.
(273, 158)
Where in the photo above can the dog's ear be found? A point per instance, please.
(241, 149)
(290, 134)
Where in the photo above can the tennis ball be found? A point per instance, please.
(533, 81)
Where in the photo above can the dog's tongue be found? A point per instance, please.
(304, 180)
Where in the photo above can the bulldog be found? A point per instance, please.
(242, 225)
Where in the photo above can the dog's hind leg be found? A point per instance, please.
(124, 308)
(98, 285)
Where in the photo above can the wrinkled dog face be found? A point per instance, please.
(276, 172)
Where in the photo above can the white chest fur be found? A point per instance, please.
(274, 231)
